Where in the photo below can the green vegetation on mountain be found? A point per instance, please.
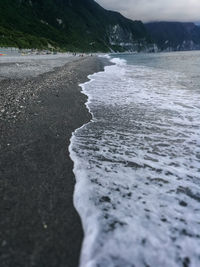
(13, 38)
(68, 24)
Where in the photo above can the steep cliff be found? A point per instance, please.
(175, 36)
(69, 24)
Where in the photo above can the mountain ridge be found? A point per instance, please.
(175, 36)
(71, 25)
(85, 26)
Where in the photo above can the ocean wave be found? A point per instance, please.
(137, 169)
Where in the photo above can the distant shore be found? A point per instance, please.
(40, 106)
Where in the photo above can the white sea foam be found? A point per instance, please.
(137, 167)
(107, 56)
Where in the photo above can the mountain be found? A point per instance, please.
(76, 25)
(175, 36)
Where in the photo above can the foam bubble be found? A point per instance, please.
(137, 169)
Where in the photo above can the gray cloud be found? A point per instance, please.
(156, 10)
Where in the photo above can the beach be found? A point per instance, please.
(40, 106)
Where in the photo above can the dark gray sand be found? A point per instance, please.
(38, 223)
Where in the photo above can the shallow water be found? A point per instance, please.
(137, 164)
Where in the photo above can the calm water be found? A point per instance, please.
(137, 164)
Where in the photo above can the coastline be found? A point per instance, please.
(39, 225)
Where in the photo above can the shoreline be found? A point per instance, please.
(39, 224)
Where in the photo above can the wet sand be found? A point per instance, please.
(38, 113)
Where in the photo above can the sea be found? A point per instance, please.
(137, 162)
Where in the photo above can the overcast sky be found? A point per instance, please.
(156, 10)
